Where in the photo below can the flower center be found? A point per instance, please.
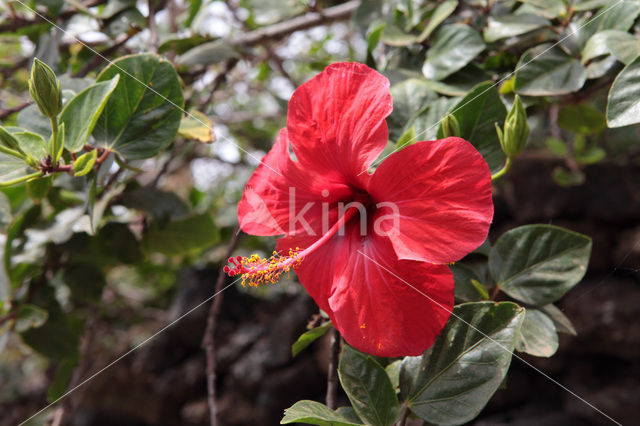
(256, 270)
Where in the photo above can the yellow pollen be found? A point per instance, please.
(256, 271)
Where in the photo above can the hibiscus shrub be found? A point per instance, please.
(379, 184)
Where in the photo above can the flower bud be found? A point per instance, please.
(450, 126)
(45, 89)
(516, 130)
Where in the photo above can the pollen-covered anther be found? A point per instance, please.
(256, 270)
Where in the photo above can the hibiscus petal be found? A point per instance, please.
(336, 120)
(380, 305)
(437, 195)
(282, 197)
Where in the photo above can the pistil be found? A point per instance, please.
(256, 270)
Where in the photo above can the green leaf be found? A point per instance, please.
(39, 188)
(30, 316)
(512, 25)
(31, 119)
(467, 284)
(557, 146)
(547, 8)
(194, 8)
(548, 71)
(623, 103)
(368, 387)
(180, 237)
(581, 119)
(582, 5)
(32, 144)
(619, 16)
(61, 379)
(409, 98)
(85, 281)
(84, 164)
(476, 114)
(161, 205)
(393, 35)
(197, 126)
(311, 412)
(309, 337)
(209, 53)
(116, 239)
(143, 114)
(441, 13)
(11, 168)
(453, 380)
(562, 323)
(454, 46)
(538, 336)
(393, 371)
(81, 113)
(624, 46)
(538, 264)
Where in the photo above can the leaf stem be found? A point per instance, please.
(503, 171)
(21, 179)
(11, 152)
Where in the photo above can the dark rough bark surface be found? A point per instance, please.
(164, 382)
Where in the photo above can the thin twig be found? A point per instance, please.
(332, 373)
(217, 82)
(153, 29)
(208, 340)
(4, 113)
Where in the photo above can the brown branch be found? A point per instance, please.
(4, 113)
(100, 56)
(332, 373)
(282, 29)
(208, 340)
(217, 82)
(18, 22)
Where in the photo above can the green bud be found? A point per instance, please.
(450, 126)
(8, 140)
(516, 130)
(44, 88)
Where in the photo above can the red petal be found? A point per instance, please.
(336, 120)
(380, 305)
(441, 191)
(268, 201)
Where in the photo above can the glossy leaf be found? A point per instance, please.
(562, 323)
(538, 336)
(477, 114)
(209, 53)
(409, 98)
(618, 16)
(441, 13)
(315, 413)
(309, 337)
(368, 387)
(624, 46)
(160, 205)
(454, 46)
(547, 8)
(548, 71)
(623, 103)
(512, 25)
(467, 284)
(538, 264)
(453, 380)
(143, 113)
(81, 113)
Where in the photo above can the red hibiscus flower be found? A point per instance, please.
(362, 243)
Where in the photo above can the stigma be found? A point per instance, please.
(256, 270)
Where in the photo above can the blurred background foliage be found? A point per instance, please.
(93, 265)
